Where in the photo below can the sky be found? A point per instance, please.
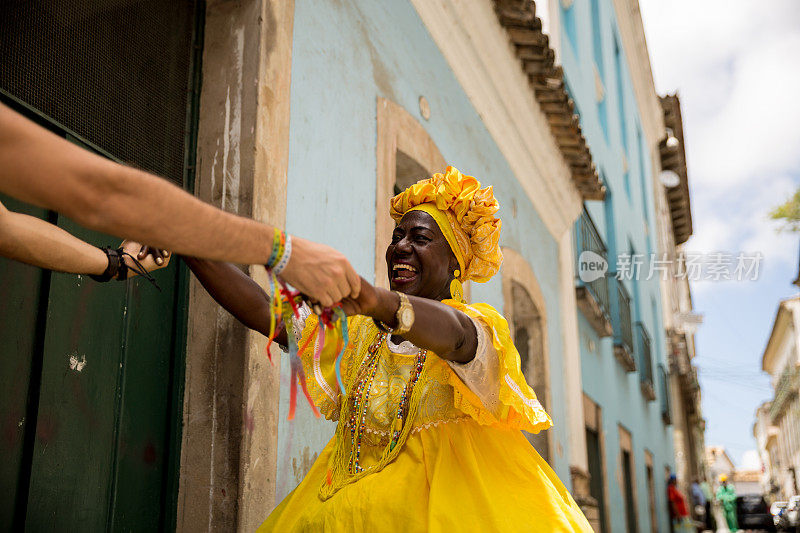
(736, 67)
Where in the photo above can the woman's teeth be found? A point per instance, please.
(403, 271)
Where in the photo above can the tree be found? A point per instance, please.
(788, 213)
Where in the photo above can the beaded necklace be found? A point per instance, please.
(359, 397)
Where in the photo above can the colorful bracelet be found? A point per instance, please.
(281, 251)
(278, 239)
(287, 253)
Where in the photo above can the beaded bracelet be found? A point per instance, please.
(278, 244)
(287, 253)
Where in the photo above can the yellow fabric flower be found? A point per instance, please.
(469, 211)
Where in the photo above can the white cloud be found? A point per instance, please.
(738, 222)
(735, 66)
(755, 133)
(750, 461)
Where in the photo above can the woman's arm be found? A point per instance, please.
(437, 327)
(33, 241)
(237, 293)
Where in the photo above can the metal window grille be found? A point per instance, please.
(113, 72)
(666, 408)
(587, 238)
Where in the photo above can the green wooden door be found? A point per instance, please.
(91, 374)
(102, 436)
(91, 377)
(23, 291)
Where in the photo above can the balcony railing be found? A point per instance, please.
(623, 328)
(592, 296)
(643, 352)
(666, 410)
(785, 391)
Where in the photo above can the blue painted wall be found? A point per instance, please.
(345, 55)
(612, 129)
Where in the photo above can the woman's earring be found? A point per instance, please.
(456, 288)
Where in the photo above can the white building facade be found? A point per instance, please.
(777, 425)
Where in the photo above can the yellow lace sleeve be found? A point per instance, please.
(518, 407)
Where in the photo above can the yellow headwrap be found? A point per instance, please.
(465, 214)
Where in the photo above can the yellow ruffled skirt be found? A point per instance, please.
(455, 476)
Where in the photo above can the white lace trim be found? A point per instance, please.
(434, 423)
(299, 324)
(404, 348)
(530, 402)
(321, 380)
(482, 374)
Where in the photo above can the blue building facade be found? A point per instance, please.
(622, 340)
(346, 57)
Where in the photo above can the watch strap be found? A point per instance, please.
(405, 304)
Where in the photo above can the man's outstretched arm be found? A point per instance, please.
(33, 241)
(40, 168)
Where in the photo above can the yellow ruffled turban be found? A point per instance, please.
(464, 213)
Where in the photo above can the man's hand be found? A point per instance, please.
(322, 273)
(150, 258)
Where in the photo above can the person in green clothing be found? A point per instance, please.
(726, 495)
(710, 521)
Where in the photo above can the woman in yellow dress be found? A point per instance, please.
(428, 435)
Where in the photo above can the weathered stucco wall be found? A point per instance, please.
(228, 452)
(346, 54)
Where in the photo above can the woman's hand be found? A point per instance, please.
(150, 258)
(365, 303)
(438, 327)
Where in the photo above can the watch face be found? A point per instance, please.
(407, 316)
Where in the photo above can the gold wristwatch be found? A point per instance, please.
(404, 317)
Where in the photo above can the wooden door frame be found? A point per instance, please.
(516, 268)
(228, 455)
(593, 416)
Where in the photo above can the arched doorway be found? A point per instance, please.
(405, 154)
(526, 314)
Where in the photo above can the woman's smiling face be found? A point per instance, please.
(419, 259)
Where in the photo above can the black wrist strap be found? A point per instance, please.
(116, 269)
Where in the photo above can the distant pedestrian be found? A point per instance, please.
(726, 495)
(711, 522)
(699, 502)
(681, 523)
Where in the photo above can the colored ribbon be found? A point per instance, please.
(344, 342)
(285, 306)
